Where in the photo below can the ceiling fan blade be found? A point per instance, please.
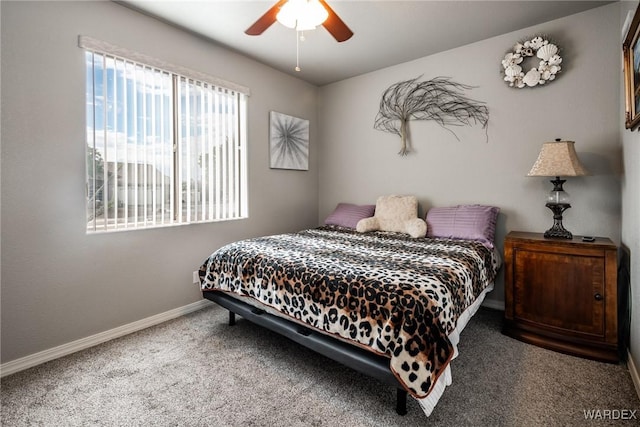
(335, 25)
(266, 20)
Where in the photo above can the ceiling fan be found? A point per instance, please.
(282, 11)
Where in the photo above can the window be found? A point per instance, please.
(163, 147)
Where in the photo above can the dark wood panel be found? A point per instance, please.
(561, 294)
(546, 292)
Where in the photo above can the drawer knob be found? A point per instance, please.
(598, 297)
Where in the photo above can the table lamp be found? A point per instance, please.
(558, 159)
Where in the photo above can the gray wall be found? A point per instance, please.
(358, 163)
(59, 284)
(631, 212)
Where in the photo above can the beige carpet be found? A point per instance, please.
(197, 371)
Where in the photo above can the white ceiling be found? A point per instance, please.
(385, 32)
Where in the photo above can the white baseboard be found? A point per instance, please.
(633, 370)
(84, 343)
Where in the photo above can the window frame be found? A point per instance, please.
(213, 96)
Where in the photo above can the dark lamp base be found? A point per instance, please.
(557, 231)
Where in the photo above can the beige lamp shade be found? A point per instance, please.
(558, 158)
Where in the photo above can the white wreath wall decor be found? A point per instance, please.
(546, 71)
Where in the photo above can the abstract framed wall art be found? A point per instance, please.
(631, 53)
(288, 142)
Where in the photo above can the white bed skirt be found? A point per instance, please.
(429, 402)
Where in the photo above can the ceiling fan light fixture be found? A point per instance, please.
(302, 15)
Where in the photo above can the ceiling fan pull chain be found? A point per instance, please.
(298, 38)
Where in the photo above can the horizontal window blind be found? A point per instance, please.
(162, 148)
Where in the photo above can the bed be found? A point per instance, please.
(380, 302)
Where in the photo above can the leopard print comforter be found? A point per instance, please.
(388, 293)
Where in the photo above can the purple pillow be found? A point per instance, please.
(470, 222)
(348, 215)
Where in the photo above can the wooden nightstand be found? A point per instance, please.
(561, 294)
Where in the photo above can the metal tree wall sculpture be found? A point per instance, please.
(438, 99)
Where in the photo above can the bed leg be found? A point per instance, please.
(232, 318)
(401, 403)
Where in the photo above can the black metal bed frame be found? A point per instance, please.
(349, 355)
